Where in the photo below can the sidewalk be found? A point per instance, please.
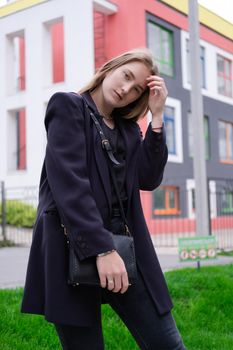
(13, 264)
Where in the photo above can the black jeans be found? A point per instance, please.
(137, 310)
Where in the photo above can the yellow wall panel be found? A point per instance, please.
(18, 5)
(208, 18)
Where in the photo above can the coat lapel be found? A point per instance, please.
(99, 152)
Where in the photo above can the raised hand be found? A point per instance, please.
(157, 98)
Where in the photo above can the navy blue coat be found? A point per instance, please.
(75, 190)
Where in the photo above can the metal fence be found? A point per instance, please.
(18, 210)
(17, 213)
(167, 228)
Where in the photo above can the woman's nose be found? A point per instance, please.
(126, 88)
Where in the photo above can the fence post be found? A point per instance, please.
(3, 214)
(209, 207)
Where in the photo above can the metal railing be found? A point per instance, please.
(18, 212)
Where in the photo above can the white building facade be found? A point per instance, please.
(29, 78)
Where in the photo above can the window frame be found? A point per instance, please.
(159, 61)
(202, 61)
(17, 140)
(54, 62)
(172, 120)
(227, 140)
(178, 133)
(190, 187)
(223, 75)
(229, 198)
(167, 210)
(211, 51)
(176, 104)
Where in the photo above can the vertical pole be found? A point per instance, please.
(209, 194)
(199, 162)
(3, 210)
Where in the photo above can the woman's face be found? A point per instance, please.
(125, 84)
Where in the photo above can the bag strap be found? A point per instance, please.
(105, 142)
(114, 180)
(111, 160)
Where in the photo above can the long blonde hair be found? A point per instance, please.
(139, 107)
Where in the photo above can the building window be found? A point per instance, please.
(206, 136)
(202, 61)
(191, 201)
(99, 39)
(17, 140)
(57, 46)
(169, 120)
(16, 77)
(166, 201)
(173, 126)
(227, 202)
(224, 68)
(225, 141)
(160, 41)
(53, 59)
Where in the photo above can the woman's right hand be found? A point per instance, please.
(112, 272)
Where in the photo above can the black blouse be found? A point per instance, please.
(115, 138)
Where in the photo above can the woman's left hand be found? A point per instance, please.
(157, 97)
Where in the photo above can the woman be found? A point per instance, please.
(76, 190)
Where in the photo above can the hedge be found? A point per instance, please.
(19, 214)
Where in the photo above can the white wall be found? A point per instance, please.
(79, 67)
(211, 53)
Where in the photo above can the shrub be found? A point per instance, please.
(19, 214)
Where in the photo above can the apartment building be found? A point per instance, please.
(56, 45)
(46, 46)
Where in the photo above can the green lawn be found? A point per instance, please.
(203, 312)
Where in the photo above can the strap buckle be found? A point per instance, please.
(106, 145)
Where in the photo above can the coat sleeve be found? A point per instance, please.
(152, 159)
(66, 166)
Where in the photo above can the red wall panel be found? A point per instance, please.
(57, 40)
(99, 39)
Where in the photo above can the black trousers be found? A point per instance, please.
(137, 310)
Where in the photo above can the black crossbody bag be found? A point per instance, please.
(85, 272)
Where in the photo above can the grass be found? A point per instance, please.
(226, 253)
(203, 312)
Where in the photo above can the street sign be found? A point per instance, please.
(197, 248)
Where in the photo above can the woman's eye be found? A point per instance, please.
(127, 76)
